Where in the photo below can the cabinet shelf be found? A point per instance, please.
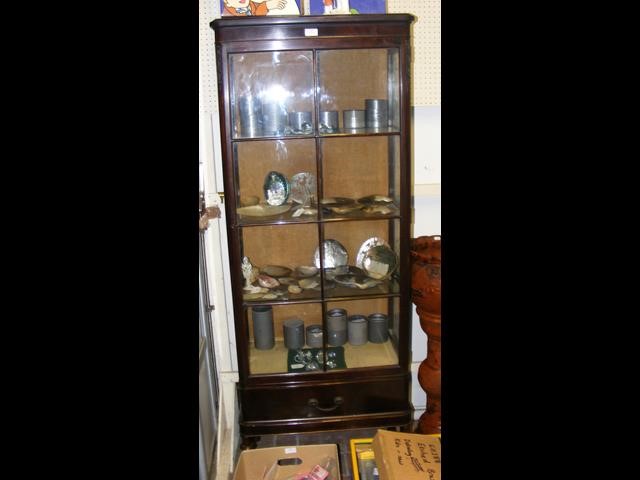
(360, 356)
(285, 219)
(340, 295)
(364, 132)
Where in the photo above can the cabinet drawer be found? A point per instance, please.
(325, 400)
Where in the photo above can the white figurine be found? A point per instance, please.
(247, 273)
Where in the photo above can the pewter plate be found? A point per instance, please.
(335, 255)
(262, 210)
(330, 273)
(365, 247)
(379, 262)
(351, 279)
(361, 282)
(303, 188)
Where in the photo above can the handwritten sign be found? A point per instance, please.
(407, 456)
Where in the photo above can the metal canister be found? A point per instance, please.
(357, 330)
(377, 113)
(293, 331)
(337, 327)
(329, 121)
(314, 336)
(353, 119)
(274, 118)
(263, 335)
(378, 328)
(300, 122)
(250, 116)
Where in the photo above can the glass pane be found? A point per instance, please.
(362, 258)
(361, 177)
(271, 94)
(278, 340)
(372, 331)
(360, 90)
(276, 181)
(279, 263)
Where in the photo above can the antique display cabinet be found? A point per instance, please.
(315, 125)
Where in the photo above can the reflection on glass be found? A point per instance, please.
(272, 94)
(367, 98)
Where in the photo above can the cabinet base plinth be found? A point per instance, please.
(401, 420)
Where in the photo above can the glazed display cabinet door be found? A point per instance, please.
(316, 167)
(359, 91)
(271, 94)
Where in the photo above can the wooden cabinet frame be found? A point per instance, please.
(361, 397)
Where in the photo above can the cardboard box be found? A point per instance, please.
(407, 456)
(280, 463)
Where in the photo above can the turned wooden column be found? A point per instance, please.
(425, 285)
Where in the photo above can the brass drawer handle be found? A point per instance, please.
(337, 401)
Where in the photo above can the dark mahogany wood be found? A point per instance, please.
(426, 294)
(341, 399)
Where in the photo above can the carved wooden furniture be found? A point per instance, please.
(425, 282)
